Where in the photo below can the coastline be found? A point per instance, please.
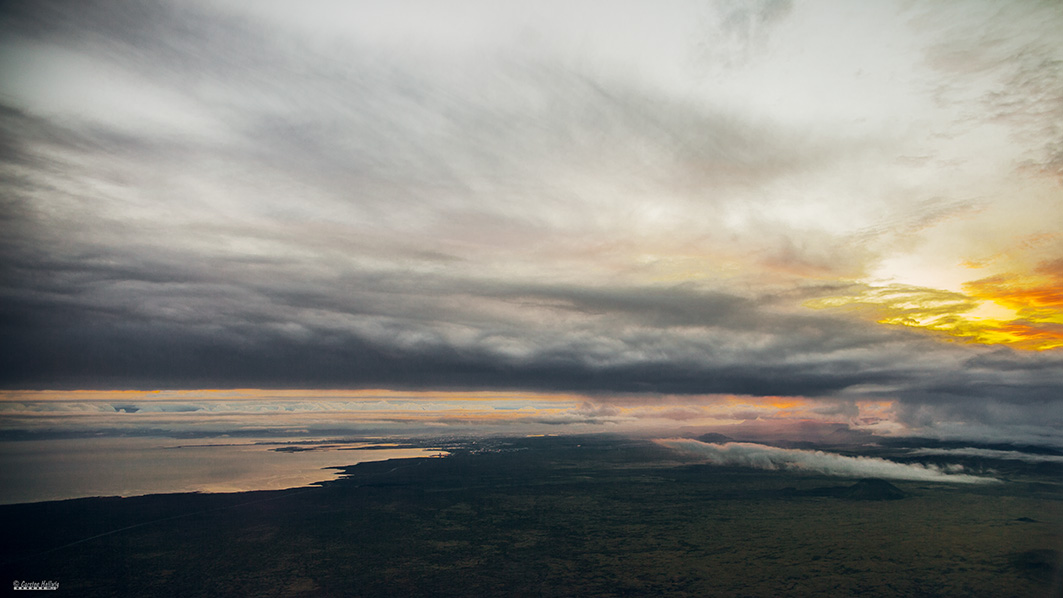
(38, 471)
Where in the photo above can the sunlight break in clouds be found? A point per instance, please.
(759, 456)
(1023, 311)
(213, 411)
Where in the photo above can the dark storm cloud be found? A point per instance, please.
(181, 334)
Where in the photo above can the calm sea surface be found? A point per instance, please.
(37, 470)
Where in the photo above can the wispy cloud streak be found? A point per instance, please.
(759, 456)
(990, 454)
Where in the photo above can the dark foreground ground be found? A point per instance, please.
(552, 517)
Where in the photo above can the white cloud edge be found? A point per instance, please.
(759, 456)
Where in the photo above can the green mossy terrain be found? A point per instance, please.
(551, 517)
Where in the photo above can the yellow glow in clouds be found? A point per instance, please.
(1024, 311)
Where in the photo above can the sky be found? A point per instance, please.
(677, 215)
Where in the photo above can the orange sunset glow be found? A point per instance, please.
(1022, 311)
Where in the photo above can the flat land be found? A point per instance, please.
(589, 516)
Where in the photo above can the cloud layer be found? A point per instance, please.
(991, 454)
(765, 199)
(759, 456)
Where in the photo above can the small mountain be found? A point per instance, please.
(714, 438)
(872, 489)
(866, 489)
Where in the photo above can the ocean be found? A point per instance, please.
(56, 469)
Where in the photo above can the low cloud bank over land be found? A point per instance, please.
(759, 456)
(991, 454)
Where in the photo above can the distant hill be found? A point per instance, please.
(865, 489)
(713, 438)
(872, 489)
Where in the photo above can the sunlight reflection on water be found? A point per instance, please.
(37, 470)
